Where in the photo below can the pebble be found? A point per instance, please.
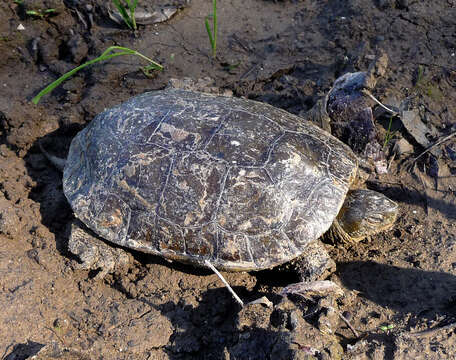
(402, 146)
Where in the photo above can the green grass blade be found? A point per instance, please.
(70, 73)
(132, 13)
(34, 13)
(123, 13)
(209, 33)
(388, 133)
(106, 55)
(134, 52)
(212, 33)
(214, 28)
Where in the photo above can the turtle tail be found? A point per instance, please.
(59, 163)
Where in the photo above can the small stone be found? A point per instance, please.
(402, 147)
(347, 315)
(420, 131)
(9, 219)
(402, 4)
(314, 289)
(451, 152)
(293, 320)
(328, 319)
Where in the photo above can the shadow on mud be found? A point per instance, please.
(47, 188)
(424, 294)
(218, 328)
(22, 351)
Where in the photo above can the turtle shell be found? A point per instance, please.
(192, 176)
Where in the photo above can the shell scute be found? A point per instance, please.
(250, 203)
(192, 191)
(237, 140)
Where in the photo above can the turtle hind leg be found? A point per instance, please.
(94, 254)
(364, 213)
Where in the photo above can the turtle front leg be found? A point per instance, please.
(314, 264)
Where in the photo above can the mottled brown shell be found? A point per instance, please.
(192, 176)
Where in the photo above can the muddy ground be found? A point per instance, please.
(399, 287)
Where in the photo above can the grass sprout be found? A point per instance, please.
(41, 13)
(389, 133)
(109, 53)
(387, 327)
(127, 16)
(212, 33)
(419, 76)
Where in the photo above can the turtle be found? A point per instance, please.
(195, 177)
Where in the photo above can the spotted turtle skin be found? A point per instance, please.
(191, 177)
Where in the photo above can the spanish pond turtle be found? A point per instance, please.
(191, 176)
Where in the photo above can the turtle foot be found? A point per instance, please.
(315, 263)
(93, 253)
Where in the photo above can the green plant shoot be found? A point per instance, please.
(387, 327)
(419, 76)
(40, 13)
(389, 135)
(109, 53)
(128, 18)
(212, 34)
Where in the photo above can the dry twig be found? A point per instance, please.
(438, 142)
(349, 325)
(237, 298)
(433, 331)
(368, 93)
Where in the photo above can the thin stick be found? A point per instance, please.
(433, 331)
(349, 325)
(438, 142)
(391, 161)
(425, 192)
(237, 298)
(366, 92)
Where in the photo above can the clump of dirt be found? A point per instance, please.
(399, 287)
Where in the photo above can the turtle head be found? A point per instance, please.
(366, 213)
